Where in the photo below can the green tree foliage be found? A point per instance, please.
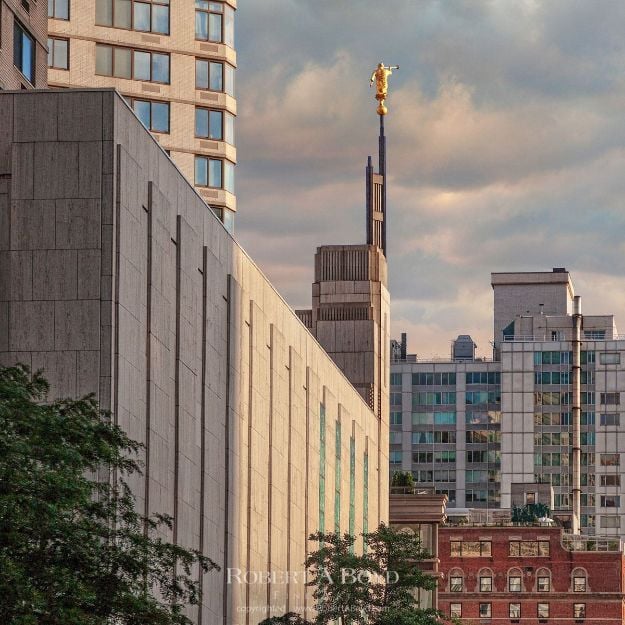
(403, 478)
(291, 618)
(338, 595)
(529, 513)
(73, 549)
(393, 558)
(377, 588)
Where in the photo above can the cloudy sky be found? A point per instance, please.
(506, 137)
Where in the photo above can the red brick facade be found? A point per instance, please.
(484, 583)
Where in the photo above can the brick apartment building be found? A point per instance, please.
(23, 50)
(529, 574)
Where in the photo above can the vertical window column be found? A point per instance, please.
(322, 468)
(337, 479)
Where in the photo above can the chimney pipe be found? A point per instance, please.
(577, 407)
(404, 346)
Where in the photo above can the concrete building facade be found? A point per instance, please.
(116, 279)
(472, 427)
(507, 574)
(23, 49)
(175, 64)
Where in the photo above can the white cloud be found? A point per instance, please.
(506, 140)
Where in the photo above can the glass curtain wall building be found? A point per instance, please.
(472, 427)
(174, 62)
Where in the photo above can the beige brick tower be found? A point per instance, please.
(174, 62)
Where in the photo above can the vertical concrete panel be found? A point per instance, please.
(6, 134)
(35, 118)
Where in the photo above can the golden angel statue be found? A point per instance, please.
(380, 76)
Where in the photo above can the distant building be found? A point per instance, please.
(472, 427)
(520, 574)
(421, 512)
(174, 62)
(23, 50)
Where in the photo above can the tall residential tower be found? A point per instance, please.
(174, 62)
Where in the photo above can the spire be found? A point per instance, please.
(376, 183)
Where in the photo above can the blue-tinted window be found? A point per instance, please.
(229, 176)
(160, 19)
(229, 26)
(395, 457)
(209, 124)
(23, 51)
(201, 171)
(153, 115)
(160, 68)
(160, 116)
(215, 167)
(216, 76)
(141, 16)
(209, 172)
(444, 418)
(141, 65)
(209, 21)
(142, 111)
(229, 128)
(396, 418)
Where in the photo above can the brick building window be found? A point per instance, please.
(153, 115)
(214, 173)
(471, 548)
(514, 583)
(579, 581)
(131, 64)
(456, 583)
(58, 9)
(58, 53)
(455, 610)
(579, 610)
(486, 583)
(215, 124)
(214, 21)
(214, 76)
(486, 610)
(543, 581)
(150, 16)
(23, 51)
(529, 548)
(514, 610)
(543, 610)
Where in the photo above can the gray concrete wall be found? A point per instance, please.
(116, 278)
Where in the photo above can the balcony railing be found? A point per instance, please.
(577, 542)
(526, 338)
